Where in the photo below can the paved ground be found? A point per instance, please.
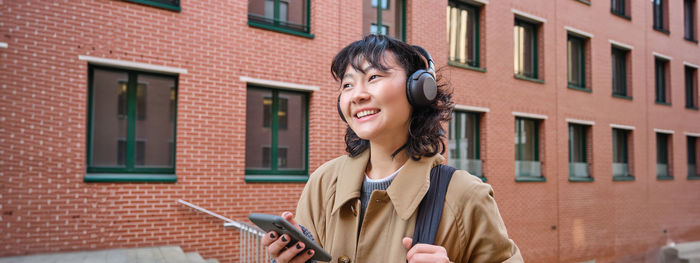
(170, 254)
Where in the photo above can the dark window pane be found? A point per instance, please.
(282, 114)
(691, 87)
(282, 158)
(258, 133)
(660, 72)
(662, 148)
(287, 14)
(109, 122)
(526, 140)
(155, 134)
(576, 66)
(293, 137)
(462, 23)
(692, 152)
(577, 143)
(525, 38)
(618, 7)
(620, 148)
(619, 71)
(689, 19)
(391, 18)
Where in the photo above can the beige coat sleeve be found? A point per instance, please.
(311, 206)
(486, 233)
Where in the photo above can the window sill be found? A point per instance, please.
(584, 2)
(661, 30)
(518, 76)
(622, 97)
(692, 108)
(579, 88)
(694, 177)
(662, 103)
(691, 40)
(623, 178)
(275, 178)
(626, 17)
(156, 4)
(530, 179)
(125, 178)
(279, 29)
(580, 179)
(664, 178)
(465, 66)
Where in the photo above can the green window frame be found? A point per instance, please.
(579, 166)
(693, 155)
(661, 81)
(691, 87)
(526, 52)
(619, 8)
(663, 157)
(399, 31)
(576, 62)
(127, 167)
(165, 4)
(463, 39)
(462, 147)
(278, 171)
(660, 13)
(619, 72)
(279, 18)
(620, 155)
(527, 158)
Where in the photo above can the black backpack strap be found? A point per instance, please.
(430, 208)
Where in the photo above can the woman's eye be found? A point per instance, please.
(373, 77)
(346, 85)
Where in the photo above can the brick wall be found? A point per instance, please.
(47, 207)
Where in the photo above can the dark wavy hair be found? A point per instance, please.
(426, 135)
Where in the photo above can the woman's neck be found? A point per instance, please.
(381, 163)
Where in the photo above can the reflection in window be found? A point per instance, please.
(462, 33)
(525, 48)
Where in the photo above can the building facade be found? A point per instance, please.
(582, 115)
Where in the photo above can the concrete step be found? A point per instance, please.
(165, 254)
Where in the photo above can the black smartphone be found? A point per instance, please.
(278, 224)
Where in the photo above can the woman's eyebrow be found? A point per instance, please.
(347, 76)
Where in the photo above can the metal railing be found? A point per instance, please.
(251, 248)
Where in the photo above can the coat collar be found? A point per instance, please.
(406, 191)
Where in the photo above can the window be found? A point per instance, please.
(129, 132)
(525, 48)
(691, 87)
(621, 154)
(276, 135)
(390, 17)
(689, 20)
(527, 149)
(166, 4)
(576, 61)
(619, 72)
(285, 16)
(661, 72)
(660, 8)
(578, 153)
(463, 33)
(620, 8)
(464, 143)
(693, 155)
(663, 156)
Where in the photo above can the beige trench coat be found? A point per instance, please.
(471, 228)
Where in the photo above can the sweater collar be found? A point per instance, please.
(406, 191)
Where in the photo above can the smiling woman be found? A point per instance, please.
(364, 207)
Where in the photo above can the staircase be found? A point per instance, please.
(168, 254)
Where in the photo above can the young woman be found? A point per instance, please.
(361, 207)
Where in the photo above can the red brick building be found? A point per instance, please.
(110, 111)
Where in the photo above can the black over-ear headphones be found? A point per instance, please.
(421, 87)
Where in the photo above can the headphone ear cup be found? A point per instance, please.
(340, 112)
(421, 89)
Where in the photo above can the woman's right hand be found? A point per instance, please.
(276, 245)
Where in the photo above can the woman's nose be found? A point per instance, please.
(360, 94)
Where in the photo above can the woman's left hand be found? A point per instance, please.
(424, 252)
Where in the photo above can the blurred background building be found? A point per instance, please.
(582, 115)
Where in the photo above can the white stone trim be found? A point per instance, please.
(576, 121)
(692, 134)
(132, 65)
(578, 32)
(471, 108)
(3, 45)
(620, 44)
(686, 63)
(528, 16)
(663, 131)
(659, 55)
(623, 127)
(529, 115)
(279, 84)
(484, 2)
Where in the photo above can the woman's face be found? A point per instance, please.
(374, 103)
